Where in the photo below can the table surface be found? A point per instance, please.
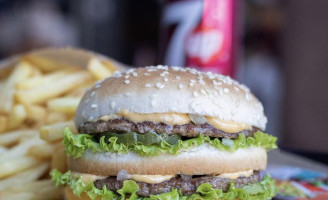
(280, 157)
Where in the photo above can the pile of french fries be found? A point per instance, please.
(37, 101)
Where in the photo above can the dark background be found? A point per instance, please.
(282, 48)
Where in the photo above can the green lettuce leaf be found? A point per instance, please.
(77, 144)
(262, 190)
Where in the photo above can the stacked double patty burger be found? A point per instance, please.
(168, 133)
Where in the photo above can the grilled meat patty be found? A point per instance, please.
(187, 184)
(188, 130)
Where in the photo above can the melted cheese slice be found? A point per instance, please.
(177, 119)
(87, 178)
(151, 178)
(227, 126)
(236, 175)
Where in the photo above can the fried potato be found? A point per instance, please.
(47, 65)
(55, 132)
(15, 196)
(98, 69)
(45, 79)
(45, 92)
(56, 117)
(36, 114)
(13, 137)
(24, 177)
(17, 116)
(42, 151)
(3, 123)
(20, 149)
(22, 71)
(65, 104)
(16, 165)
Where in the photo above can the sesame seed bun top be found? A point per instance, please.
(162, 89)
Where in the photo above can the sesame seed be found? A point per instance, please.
(237, 89)
(226, 90)
(147, 85)
(166, 79)
(153, 103)
(93, 93)
(193, 71)
(146, 74)
(87, 100)
(191, 84)
(117, 74)
(177, 77)
(126, 76)
(126, 81)
(192, 81)
(202, 82)
(94, 105)
(130, 70)
(248, 96)
(162, 74)
(202, 91)
(135, 74)
(112, 104)
(220, 91)
(159, 85)
(180, 85)
(195, 94)
(97, 86)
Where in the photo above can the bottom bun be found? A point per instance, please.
(203, 159)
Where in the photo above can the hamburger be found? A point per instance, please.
(168, 133)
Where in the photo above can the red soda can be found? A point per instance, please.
(200, 34)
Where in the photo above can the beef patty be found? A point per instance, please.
(188, 130)
(188, 185)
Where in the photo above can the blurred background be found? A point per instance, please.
(278, 48)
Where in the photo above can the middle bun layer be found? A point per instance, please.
(203, 159)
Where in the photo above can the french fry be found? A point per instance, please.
(42, 151)
(54, 132)
(12, 137)
(46, 64)
(3, 123)
(98, 69)
(56, 117)
(22, 71)
(59, 159)
(110, 66)
(15, 196)
(33, 186)
(46, 79)
(79, 92)
(45, 92)
(20, 149)
(16, 165)
(64, 104)
(25, 176)
(17, 116)
(36, 114)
